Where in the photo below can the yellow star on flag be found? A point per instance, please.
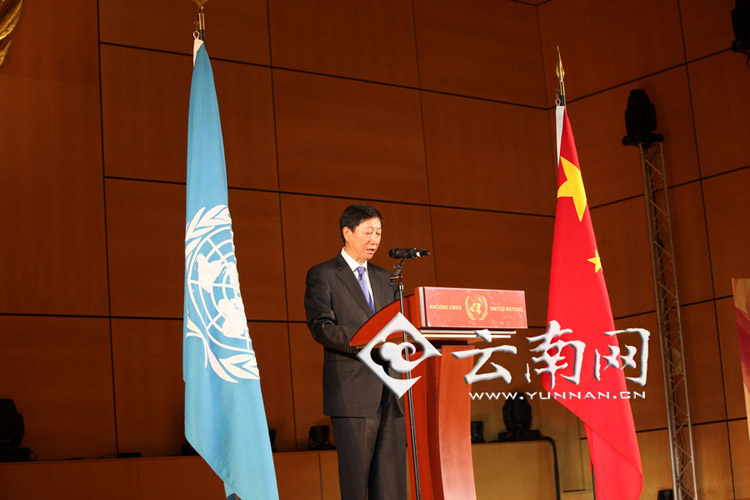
(596, 261)
(573, 187)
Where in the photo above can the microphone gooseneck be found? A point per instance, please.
(408, 253)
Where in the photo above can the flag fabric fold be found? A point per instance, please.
(578, 300)
(225, 419)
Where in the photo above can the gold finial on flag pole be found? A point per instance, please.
(200, 25)
(10, 13)
(560, 72)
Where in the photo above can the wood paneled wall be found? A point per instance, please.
(437, 112)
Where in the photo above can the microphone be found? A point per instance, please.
(407, 253)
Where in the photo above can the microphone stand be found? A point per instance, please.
(397, 280)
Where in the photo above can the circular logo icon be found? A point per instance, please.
(476, 307)
(215, 312)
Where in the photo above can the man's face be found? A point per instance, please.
(362, 243)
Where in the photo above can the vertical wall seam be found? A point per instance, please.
(106, 232)
(710, 257)
(281, 226)
(424, 141)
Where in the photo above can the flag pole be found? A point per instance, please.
(560, 102)
(225, 419)
(200, 24)
(578, 299)
(560, 72)
(593, 480)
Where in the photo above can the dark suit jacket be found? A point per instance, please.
(336, 308)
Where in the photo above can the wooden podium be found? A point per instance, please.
(448, 318)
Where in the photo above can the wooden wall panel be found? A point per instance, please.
(713, 468)
(702, 363)
(608, 43)
(731, 365)
(622, 237)
(722, 113)
(612, 171)
(245, 98)
(236, 30)
(146, 93)
(519, 470)
(307, 383)
(706, 26)
(690, 239)
(727, 207)
(145, 223)
(739, 447)
(146, 239)
(59, 373)
(648, 413)
(329, 475)
(358, 39)
(256, 221)
(70, 480)
(484, 250)
(53, 257)
(487, 155)
(578, 495)
(340, 136)
(481, 49)
(188, 478)
(303, 473)
(656, 463)
(271, 344)
(312, 224)
(149, 391)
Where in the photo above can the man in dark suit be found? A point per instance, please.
(368, 420)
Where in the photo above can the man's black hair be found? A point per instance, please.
(354, 215)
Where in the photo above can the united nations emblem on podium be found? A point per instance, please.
(476, 307)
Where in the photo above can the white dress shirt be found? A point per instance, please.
(353, 264)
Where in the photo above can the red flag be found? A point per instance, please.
(578, 301)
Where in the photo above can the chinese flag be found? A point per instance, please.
(578, 300)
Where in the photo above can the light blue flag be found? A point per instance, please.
(224, 417)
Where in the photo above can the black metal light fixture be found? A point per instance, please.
(318, 438)
(272, 437)
(640, 120)
(477, 431)
(11, 433)
(517, 419)
(741, 26)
